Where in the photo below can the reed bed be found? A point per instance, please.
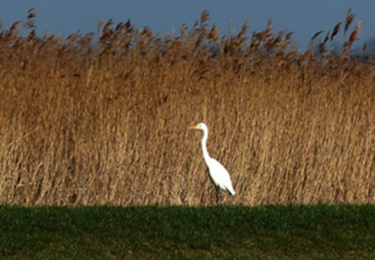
(102, 118)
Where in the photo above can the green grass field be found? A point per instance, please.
(266, 232)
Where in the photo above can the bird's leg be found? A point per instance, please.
(217, 195)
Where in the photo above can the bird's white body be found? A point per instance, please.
(218, 174)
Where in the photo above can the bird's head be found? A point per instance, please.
(201, 126)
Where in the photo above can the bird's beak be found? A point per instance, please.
(193, 127)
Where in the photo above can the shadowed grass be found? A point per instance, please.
(223, 232)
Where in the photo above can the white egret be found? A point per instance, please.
(218, 174)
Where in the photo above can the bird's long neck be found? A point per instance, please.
(204, 146)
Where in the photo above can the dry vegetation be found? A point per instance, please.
(102, 119)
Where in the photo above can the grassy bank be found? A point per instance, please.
(223, 232)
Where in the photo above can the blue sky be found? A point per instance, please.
(302, 17)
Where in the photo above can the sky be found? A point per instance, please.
(303, 17)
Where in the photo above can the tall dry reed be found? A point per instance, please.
(93, 122)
